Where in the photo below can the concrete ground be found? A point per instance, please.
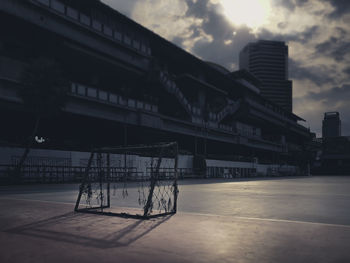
(304, 219)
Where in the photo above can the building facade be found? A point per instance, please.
(331, 125)
(268, 61)
(128, 85)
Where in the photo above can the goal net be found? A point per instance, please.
(135, 181)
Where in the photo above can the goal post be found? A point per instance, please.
(136, 181)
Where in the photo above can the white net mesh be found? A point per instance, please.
(134, 180)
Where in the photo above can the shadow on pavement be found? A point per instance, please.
(90, 230)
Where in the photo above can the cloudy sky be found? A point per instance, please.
(316, 31)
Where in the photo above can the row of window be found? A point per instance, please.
(105, 96)
(247, 130)
(101, 95)
(96, 25)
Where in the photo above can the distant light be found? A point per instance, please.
(39, 140)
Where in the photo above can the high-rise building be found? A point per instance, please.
(331, 125)
(268, 61)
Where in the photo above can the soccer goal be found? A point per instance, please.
(134, 181)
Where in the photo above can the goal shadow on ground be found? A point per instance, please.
(90, 230)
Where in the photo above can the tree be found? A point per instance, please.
(43, 92)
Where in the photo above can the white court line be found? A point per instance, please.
(56, 202)
(210, 215)
(268, 219)
(41, 201)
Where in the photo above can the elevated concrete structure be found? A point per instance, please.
(129, 85)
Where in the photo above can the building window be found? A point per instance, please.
(143, 48)
(84, 19)
(96, 25)
(58, 6)
(107, 30)
(102, 95)
(136, 44)
(81, 90)
(127, 40)
(118, 35)
(72, 13)
(91, 92)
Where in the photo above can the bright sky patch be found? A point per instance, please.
(252, 13)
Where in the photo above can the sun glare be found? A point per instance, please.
(252, 13)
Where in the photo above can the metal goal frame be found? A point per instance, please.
(104, 178)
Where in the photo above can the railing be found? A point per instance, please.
(172, 88)
(267, 145)
(46, 174)
(230, 172)
(166, 173)
(41, 174)
(195, 112)
(230, 109)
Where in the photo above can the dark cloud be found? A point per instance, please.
(347, 71)
(218, 26)
(335, 99)
(340, 51)
(332, 96)
(282, 25)
(197, 9)
(227, 40)
(226, 45)
(335, 47)
(178, 41)
(309, 33)
(289, 4)
(302, 37)
(319, 75)
(341, 7)
(327, 45)
(301, 2)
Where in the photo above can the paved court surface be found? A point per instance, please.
(303, 219)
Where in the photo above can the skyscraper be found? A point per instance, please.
(331, 125)
(268, 61)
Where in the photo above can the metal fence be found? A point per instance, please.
(46, 174)
(42, 174)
